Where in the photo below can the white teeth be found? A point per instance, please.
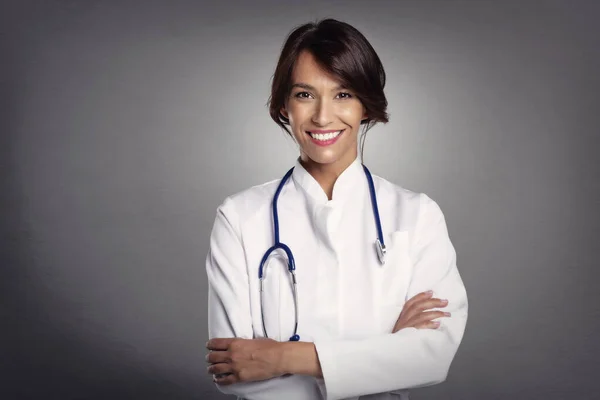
(324, 136)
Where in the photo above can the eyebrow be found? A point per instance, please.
(309, 87)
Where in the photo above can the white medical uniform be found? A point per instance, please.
(348, 301)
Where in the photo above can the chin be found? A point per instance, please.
(342, 150)
(323, 160)
(325, 157)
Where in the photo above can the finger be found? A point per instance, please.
(429, 304)
(218, 369)
(217, 357)
(219, 343)
(427, 316)
(418, 307)
(428, 325)
(418, 318)
(225, 380)
(418, 297)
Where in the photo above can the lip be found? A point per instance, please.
(326, 142)
(324, 131)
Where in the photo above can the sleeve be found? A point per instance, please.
(229, 300)
(411, 357)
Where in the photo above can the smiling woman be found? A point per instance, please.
(351, 310)
(329, 62)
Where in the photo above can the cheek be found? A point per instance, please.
(351, 115)
(298, 115)
(351, 109)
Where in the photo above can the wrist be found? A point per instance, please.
(299, 358)
(286, 356)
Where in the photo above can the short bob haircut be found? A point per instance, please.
(341, 50)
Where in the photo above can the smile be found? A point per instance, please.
(325, 138)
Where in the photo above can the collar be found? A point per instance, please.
(348, 184)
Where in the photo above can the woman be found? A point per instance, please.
(370, 324)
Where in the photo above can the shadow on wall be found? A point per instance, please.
(40, 358)
(60, 365)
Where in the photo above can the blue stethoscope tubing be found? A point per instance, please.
(379, 246)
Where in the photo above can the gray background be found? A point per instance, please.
(124, 125)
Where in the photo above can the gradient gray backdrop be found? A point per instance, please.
(124, 124)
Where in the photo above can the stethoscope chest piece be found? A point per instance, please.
(380, 248)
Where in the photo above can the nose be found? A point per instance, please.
(323, 113)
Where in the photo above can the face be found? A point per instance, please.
(318, 109)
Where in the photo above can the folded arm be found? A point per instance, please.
(410, 357)
(406, 359)
(229, 314)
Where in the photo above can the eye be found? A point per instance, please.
(345, 95)
(302, 95)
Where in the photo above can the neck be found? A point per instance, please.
(326, 174)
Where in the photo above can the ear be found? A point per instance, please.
(364, 116)
(284, 112)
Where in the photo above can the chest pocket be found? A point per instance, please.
(393, 279)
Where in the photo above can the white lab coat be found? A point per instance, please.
(348, 302)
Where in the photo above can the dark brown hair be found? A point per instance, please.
(341, 50)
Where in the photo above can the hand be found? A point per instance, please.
(235, 360)
(414, 315)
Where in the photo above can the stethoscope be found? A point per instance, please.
(379, 246)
